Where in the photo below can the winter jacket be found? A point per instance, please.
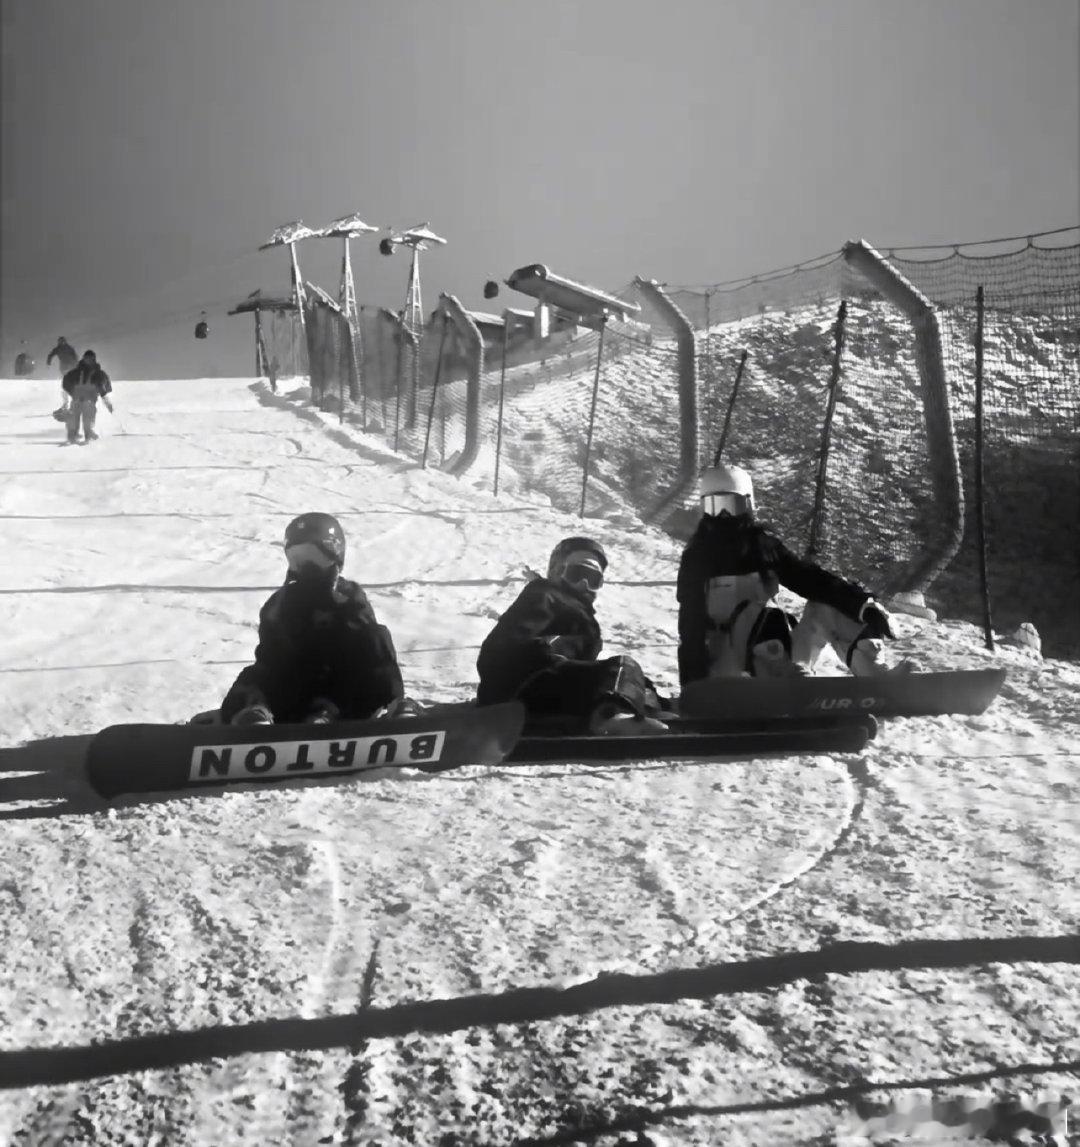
(92, 374)
(320, 644)
(726, 546)
(520, 644)
(65, 356)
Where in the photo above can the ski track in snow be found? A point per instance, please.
(136, 567)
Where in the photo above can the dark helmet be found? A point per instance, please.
(89, 354)
(323, 531)
(575, 545)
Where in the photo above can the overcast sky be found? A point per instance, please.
(149, 146)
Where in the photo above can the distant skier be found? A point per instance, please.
(65, 355)
(84, 384)
(544, 651)
(321, 653)
(24, 365)
(729, 573)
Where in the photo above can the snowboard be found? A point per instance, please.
(967, 691)
(686, 740)
(159, 758)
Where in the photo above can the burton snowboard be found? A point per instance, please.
(156, 758)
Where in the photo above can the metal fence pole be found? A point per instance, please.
(342, 367)
(730, 409)
(502, 393)
(434, 390)
(980, 503)
(826, 434)
(592, 416)
(399, 374)
(708, 342)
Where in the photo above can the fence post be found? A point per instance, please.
(980, 507)
(502, 393)
(434, 389)
(826, 434)
(708, 342)
(592, 416)
(258, 344)
(342, 365)
(399, 373)
(730, 409)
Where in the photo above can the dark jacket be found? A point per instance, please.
(326, 645)
(84, 373)
(520, 644)
(725, 546)
(65, 356)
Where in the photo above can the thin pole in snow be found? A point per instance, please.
(502, 394)
(592, 416)
(434, 390)
(730, 409)
(980, 505)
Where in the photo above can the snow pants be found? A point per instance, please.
(573, 689)
(82, 412)
(731, 646)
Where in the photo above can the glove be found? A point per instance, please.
(562, 647)
(253, 715)
(876, 620)
(107, 404)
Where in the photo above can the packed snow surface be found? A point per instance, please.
(430, 959)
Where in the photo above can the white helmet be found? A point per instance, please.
(727, 489)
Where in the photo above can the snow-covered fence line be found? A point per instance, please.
(901, 458)
(880, 502)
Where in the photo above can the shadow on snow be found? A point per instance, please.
(37, 1067)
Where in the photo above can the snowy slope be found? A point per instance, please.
(350, 963)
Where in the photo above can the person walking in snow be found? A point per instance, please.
(272, 374)
(545, 652)
(66, 358)
(729, 574)
(65, 355)
(321, 655)
(84, 384)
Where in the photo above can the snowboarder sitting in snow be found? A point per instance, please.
(729, 573)
(84, 384)
(321, 654)
(544, 651)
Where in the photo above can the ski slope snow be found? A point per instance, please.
(511, 955)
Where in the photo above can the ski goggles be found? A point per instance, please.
(578, 573)
(726, 503)
(305, 555)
